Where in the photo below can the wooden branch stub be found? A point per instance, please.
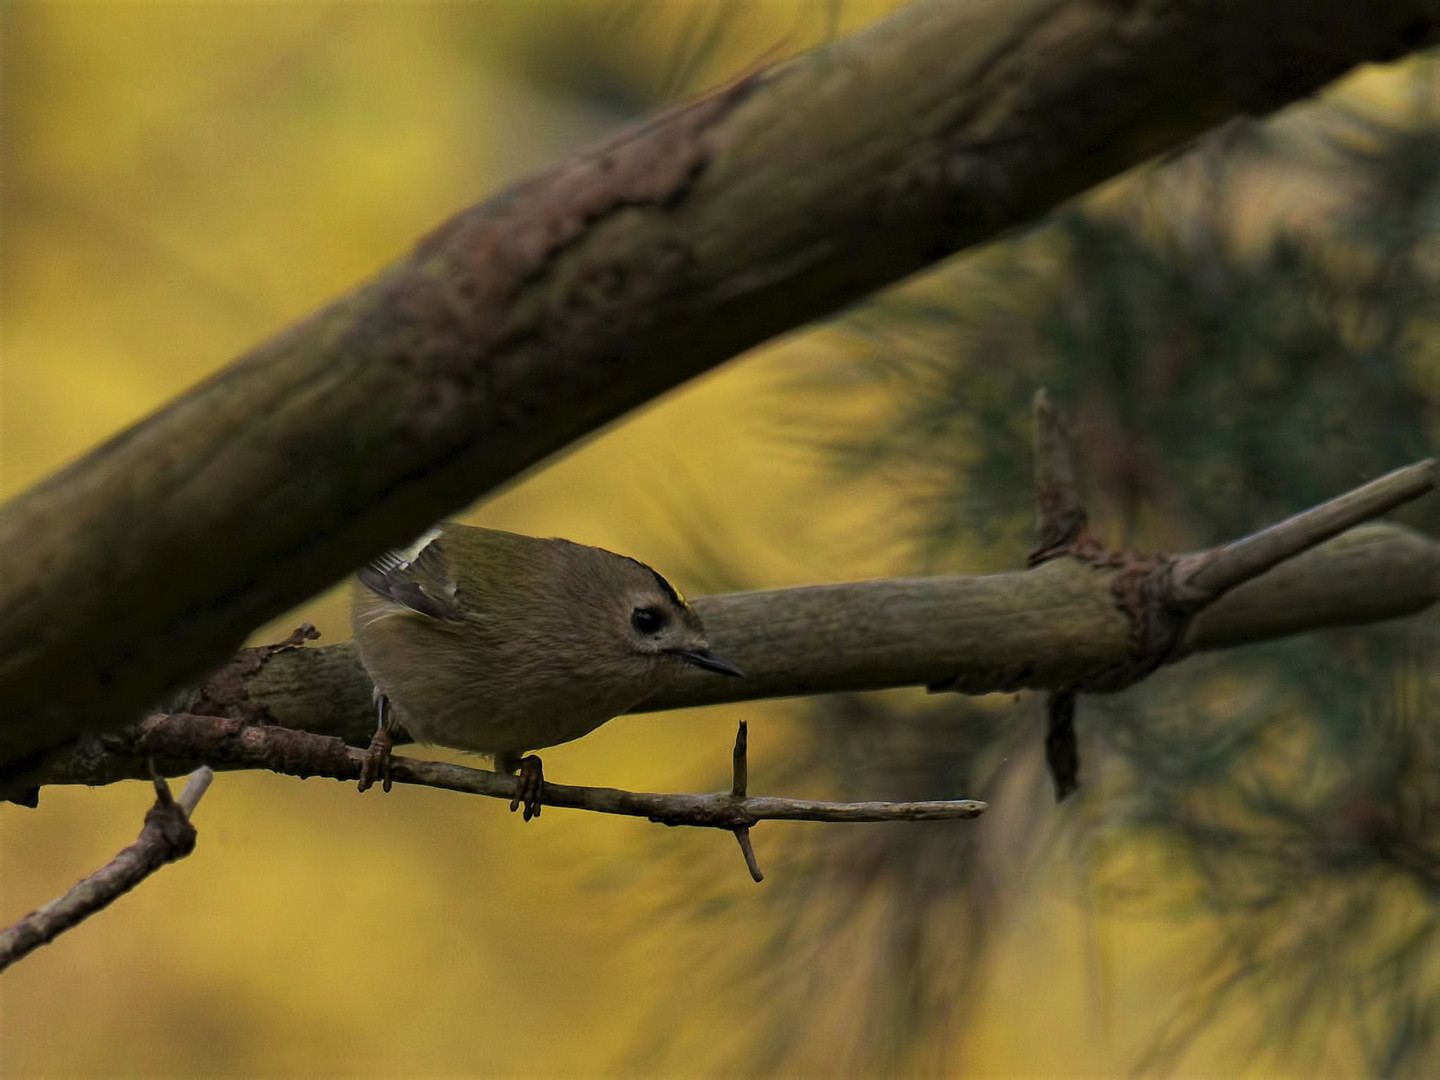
(739, 761)
(738, 788)
(1062, 519)
(1062, 751)
(225, 691)
(742, 834)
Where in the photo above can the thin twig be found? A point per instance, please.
(740, 762)
(739, 788)
(178, 738)
(1203, 578)
(195, 788)
(166, 837)
(721, 811)
(747, 849)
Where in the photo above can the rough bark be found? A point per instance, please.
(536, 317)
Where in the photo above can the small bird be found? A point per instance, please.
(500, 644)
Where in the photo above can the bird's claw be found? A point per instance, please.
(529, 786)
(376, 763)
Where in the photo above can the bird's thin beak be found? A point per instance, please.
(704, 658)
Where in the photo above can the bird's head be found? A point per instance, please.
(657, 623)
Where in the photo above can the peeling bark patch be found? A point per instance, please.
(510, 241)
(461, 307)
(226, 693)
(1141, 591)
(232, 743)
(1141, 588)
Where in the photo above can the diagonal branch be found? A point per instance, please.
(531, 320)
(1045, 628)
(166, 837)
(1202, 579)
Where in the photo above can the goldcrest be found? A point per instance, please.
(501, 644)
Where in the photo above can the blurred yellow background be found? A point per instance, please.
(182, 180)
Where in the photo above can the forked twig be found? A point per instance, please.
(1162, 593)
(172, 740)
(166, 837)
(1204, 577)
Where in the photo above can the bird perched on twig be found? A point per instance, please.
(500, 644)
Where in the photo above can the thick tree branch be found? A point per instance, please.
(1039, 629)
(531, 320)
(166, 837)
(1048, 628)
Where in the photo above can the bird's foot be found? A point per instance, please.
(529, 785)
(376, 764)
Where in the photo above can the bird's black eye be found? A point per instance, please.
(647, 620)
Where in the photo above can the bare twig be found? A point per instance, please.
(195, 788)
(166, 837)
(747, 849)
(723, 811)
(172, 739)
(740, 761)
(1203, 578)
(738, 788)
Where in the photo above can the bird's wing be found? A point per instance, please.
(422, 583)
